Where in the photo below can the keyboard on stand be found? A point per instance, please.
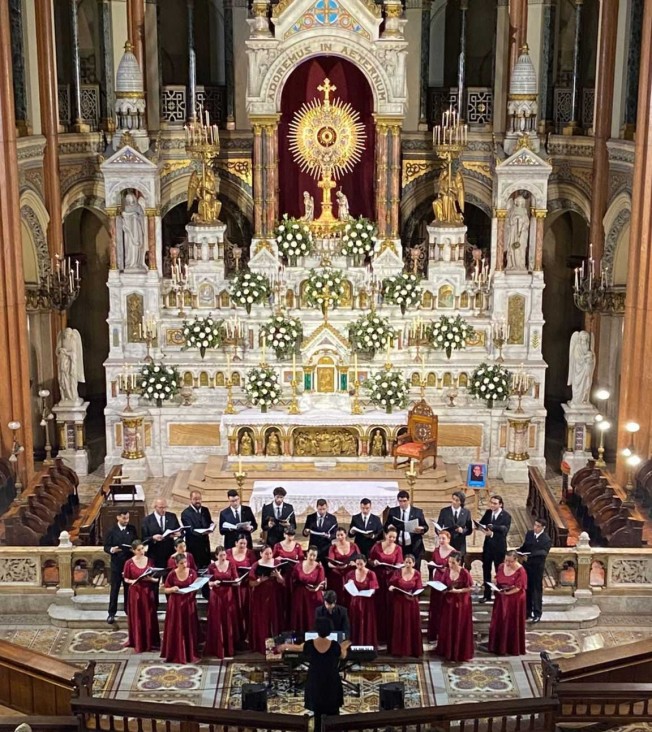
(361, 654)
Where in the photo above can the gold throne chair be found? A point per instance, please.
(420, 440)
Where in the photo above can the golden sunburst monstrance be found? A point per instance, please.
(326, 140)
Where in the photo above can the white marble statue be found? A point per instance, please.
(517, 234)
(133, 233)
(342, 206)
(309, 207)
(70, 360)
(581, 364)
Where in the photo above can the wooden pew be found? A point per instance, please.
(541, 502)
(33, 683)
(87, 531)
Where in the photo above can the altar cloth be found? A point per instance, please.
(346, 494)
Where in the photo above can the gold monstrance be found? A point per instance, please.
(327, 140)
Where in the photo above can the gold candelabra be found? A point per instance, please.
(423, 382)
(239, 476)
(448, 141)
(294, 402)
(500, 333)
(147, 330)
(229, 408)
(356, 407)
(521, 383)
(203, 145)
(128, 384)
(411, 477)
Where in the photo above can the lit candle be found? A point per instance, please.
(294, 365)
(228, 365)
(355, 366)
(239, 465)
(423, 368)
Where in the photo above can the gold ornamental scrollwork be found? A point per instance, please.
(413, 169)
(240, 168)
(325, 442)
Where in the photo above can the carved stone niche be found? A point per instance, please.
(325, 442)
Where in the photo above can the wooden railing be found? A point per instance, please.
(33, 683)
(542, 503)
(619, 703)
(86, 531)
(41, 724)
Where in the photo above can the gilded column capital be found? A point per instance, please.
(153, 212)
(111, 212)
(500, 213)
(540, 213)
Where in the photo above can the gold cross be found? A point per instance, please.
(327, 88)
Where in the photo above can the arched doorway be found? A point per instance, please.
(86, 238)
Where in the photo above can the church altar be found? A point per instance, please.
(304, 494)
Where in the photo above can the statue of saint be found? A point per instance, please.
(581, 364)
(378, 445)
(273, 447)
(246, 445)
(518, 233)
(309, 206)
(70, 364)
(448, 207)
(204, 189)
(342, 206)
(133, 233)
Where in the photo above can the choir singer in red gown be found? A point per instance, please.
(266, 585)
(222, 618)
(340, 563)
(290, 552)
(307, 585)
(405, 635)
(440, 560)
(243, 558)
(507, 629)
(180, 634)
(385, 557)
(362, 609)
(143, 621)
(455, 641)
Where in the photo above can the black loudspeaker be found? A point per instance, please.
(254, 697)
(391, 696)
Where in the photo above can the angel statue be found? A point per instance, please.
(132, 220)
(518, 233)
(581, 363)
(342, 206)
(448, 207)
(309, 206)
(70, 360)
(203, 188)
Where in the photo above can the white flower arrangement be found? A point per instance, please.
(490, 382)
(249, 288)
(449, 333)
(158, 382)
(262, 387)
(359, 237)
(370, 333)
(282, 334)
(202, 333)
(324, 288)
(388, 389)
(293, 238)
(403, 290)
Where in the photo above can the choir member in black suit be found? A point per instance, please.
(197, 516)
(160, 549)
(118, 544)
(361, 524)
(235, 520)
(337, 615)
(457, 519)
(497, 522)
(277, 516)
(410, 542)
(321, 527)
(536, 546)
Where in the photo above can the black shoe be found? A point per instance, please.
(536, 619)
(482, 600)
(111, 619)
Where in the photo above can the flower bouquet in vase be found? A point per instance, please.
(359, 240)
(283, 335)
(262, 387)
(388, 390)
(369, 333)
(202, 333)
(402, 290)
(490, 382)
(449, 334)
(249, 288)
(293, 238)
(159, 382)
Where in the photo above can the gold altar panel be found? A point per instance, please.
(118, 434)
(325, 441)
(459, 435)
(516, 319)
(148, 434)
(135, 312)
(200, 434)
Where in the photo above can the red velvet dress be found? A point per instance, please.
(143, 621)
(304, 600)
(405, 636)
(336, 576)
(455, 641)
(507, 629)
(190, 560)
(362, 611)
(436, 597)
(222, 618)
(264, 610)
(241, 594)
(382, 596)
(286, 571)
(181, 630)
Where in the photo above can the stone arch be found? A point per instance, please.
(523, 185)
(564, 197)
(616, 221)
(35, 219)
(85, 194)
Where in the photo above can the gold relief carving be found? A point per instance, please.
(378, 444)
(427, 300)
(502, 439)
(325, 327)
(240, 168)
(448, 379)
(464, 300)
(171, 166)
(135, 312)
(219, 379)
(188, 379)
(203, 379)
(200, 434)
(446, 297)
(263, 244)
(273, 443)
(415, 379)
(516, 319)
(540, 213)
(388, 244)
(483, 169)
(322, 441)
(532, 437)
(431, 379)
(479, 338)
(536, 339)
(326, 375)
(174, 337)
(463, 379)
(246, 443)
(347, 294)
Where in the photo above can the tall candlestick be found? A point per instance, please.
(294, 365)
(355, 366)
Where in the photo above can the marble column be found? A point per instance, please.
(546, 82)
(14, 341)
(258, 179)
(574, 127)
(635, 383)
(270, 152)
(229, 62)
(394, 183)
(633, 68)
(107, 87)
(113, 244)
(47, 71)
(604, 93)
(517, 30)
(382, 167)
(461, 62)
(136, 29)
(425, 63)
(18, 65)
(152, 214)
(78, 125)
(540, 216)
(191, 110)
(501, 219)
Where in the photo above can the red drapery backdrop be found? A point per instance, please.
(352, 86)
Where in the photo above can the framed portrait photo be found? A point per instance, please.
(476, 475)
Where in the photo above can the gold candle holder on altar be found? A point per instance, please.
(356, 407)
(423, 382)
(294, 402)
(500, 333)
(239, 476)
(229, 409)
(411, 477)
(448, 141)
(521, 383)
(203, 145)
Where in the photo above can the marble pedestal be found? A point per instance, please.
(579, 420)
(72, 437)
(446, 245)
(515, 467)
(206, 248)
